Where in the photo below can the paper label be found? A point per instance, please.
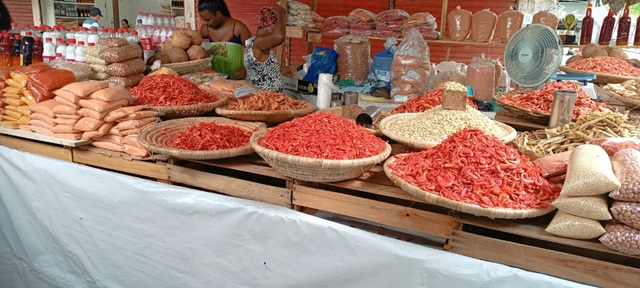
(383, 75)
(243, 91)
(413, 74)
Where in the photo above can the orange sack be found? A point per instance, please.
(45, 107)
(84, 89)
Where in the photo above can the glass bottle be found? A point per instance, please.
(15, 60)
(587, 27)
(624, 27)
(606, 31)
(26, 49)
(6, 47)
(38, 49)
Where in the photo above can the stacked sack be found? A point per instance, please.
(299, 15)
(623, 234)
(98, 66)
(582, 202)
(389, 23)
(336, 25)
(126, 125)
(17, 98)
(42, 85)
(318, 21)
(362, 22)
(425, 23)
(125, 64)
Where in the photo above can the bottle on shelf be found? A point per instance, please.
(82, 35)
(6, 47)
(79, 53)
(38, 49)
(48, 51)
(70, 50)
(26, 49)
(134, 39)
(61, 47)
(23, 33)
(15, 60)
(146, 42)
(606, 31)
(14, 30)
(624, 27)
(94, 37)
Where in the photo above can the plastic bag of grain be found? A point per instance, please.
(591, 207)
(627, 213)
(589, 173)
(622, 238)
(575, 227)
(615, 145)
(95, 50)
(626, 167)
(555, 164)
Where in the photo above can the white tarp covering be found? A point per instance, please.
(67, 225)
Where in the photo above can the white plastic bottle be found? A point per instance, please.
(134, 39)
(48, 51)
(82, 36)
(152, 19)
(139, 19)
(94, 37)
(173, 21)
(79, 53)
(165, 21)
(146, 42)
(164, 35)
(145, 18)
(70, 35)
(70, 51)
(61, 48)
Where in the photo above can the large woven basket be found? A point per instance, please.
(601, 78)
(313, 169)
(431, 198)
(190, 66)
(189, 110)
(629, 102)
(535, 117)
(271, 116)
(155, 137)
(386, 123)
(520, 142)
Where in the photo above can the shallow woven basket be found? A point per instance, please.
(385, 127)
(535, 135)
(155, 137)
(522, 113)
(601, 78)
(313, 169)
(190, 66)
(189, 110)
(504, 213)
(376, 126)
(272, 116)
(631, 103)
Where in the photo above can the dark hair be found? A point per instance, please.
(214, 6)
(5, 18)
(125, 21)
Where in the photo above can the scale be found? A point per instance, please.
(533, 56)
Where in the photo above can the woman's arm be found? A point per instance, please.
(243, 32)
(276, 38)
(204, 31)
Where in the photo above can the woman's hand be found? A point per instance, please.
(279, 11)
(241, 74)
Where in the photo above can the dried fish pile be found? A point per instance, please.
(568, 137)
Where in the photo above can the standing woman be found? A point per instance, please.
(220, 27)
(263, 69)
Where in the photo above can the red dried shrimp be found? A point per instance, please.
(210, 136)
(424, 103)
(169, 90)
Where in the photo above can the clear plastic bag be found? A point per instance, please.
(127, 82)
(459, 24)
(614, 145)
(554, 165)
(323, 60)
(126, 68)
(120, 54)
(449, 71)
(622, 238)
(393, 15)
(626, 167)
(336, 25)
(574, 227)
(410, 67)
(481, 77)
(362, 15)
(353, 58)
(627, 213)
(590, 173)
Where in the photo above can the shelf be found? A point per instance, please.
(177, 8)
(75, 3)
(310, 34)
(69, 17)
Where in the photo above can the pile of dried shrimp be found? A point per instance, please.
(266, 100)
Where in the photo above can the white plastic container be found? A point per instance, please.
(173, 21)
(94, 37)
(70, 51)
(49, 34)
(70, 35)
(166, 20)
(134, 39)
(139, 19)
(82, 36)
(151, 19)
(61, 48)
(79, 53)
(145, 18)
(48, 51)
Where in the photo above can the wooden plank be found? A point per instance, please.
(379, 212)
(140, 168)
(314, 37)
(559, 264)
(534, 232)
(376, 189)
(43, 138)
(294, 32)
(518, 123)
(244, 167)
(34, 147)
(230, 186)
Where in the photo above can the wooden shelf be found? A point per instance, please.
(75, 3)
(69, 17)
(299, 32)
(177, 8)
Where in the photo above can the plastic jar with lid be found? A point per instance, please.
(82, 36)
(70, 35)
(94, 37)
(151, 19)
(48, 51)
(145, 18)
(79, 53)
(61, 47)
(70, 51)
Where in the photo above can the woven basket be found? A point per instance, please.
(504, 213)
(601, 78)
(386, 123)
(520, 141)
(190, 66)
(631, 103)
(189, 110)
(376, 126)
(272, 116)
(313, 169)
(155, 137)
(522, 113)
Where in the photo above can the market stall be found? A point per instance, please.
(517, 161)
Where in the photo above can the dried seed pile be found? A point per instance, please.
(622, 238)
(437, 124)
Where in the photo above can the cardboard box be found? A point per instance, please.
(300, 85)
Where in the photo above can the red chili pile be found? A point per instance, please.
(210, 136)
(476, 168)
(541, 101)
(424, 103)
(169, 90)
(606, 65)
(324, 136)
